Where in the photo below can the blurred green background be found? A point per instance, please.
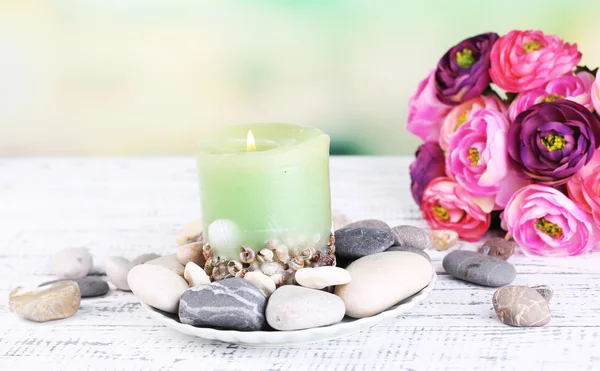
(133, 77)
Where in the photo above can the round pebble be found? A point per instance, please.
(321, 277)
(191, 252)
(117, 269)
(380, 281)
(361, 241)
(157, 286)
(546, 291)
(369, 223)
(195, 276)
(262, 282)
(170, 262)
(339, 220)
(89, 287)
(407, 235)
(144, 258)
(410, 249)
(233, 303)
(191, 232)
(55, 301)
(521, 306)
(479, 268)
(296, 308)
(499, 248)
(71, 263)
(442, 239)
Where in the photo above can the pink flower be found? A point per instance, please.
(425, 111)
(446, 205)
(545, 222)
(478, 159)
(573, 87)
(595, 93)
(525, 60)
(584, 187)
(463, 112)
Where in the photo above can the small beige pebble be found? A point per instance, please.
(170, 262)
(262, 282)
(157, 286)
(321, 277)
(521, 306)
(142, 259)
(191, 252)
(339, 220)
(442, 239)
(195, 276)
(55, 301)
(117, 269)
(190, 232)
(71, 263)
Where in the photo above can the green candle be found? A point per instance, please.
(277, 190)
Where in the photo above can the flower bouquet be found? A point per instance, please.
(511, 126)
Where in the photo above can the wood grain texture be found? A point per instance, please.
(118, 206)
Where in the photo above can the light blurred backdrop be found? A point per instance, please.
(150, 77)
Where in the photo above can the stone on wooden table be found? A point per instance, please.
(521, 306)
(191, 232)
(296, 308)
(89, 287)
(262, 282)
(352, 243)
(546, 291)
(233, 303)
(411, 249)
(170, 262)
(191, 252)
(54, 301)
(479, 268)
(442, 239)
(157, 286)
(321, 277)
(195, 276)
(75, 262)
(380, 281)
(369, 223)
(117, 269)
(499, 248)
(142, 259)
(408, 235)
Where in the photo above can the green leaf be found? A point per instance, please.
(586, 69)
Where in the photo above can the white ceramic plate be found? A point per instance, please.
(348, 326)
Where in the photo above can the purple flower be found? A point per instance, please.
(429, 164)
(463, 72)
(551, 141)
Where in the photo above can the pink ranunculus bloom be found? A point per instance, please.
(425, 111)
(545, 222)
(447, 205)
(463, 112)
(526, 60)
(572, 87)
(478, 159)
(584, 188)
(595, 93)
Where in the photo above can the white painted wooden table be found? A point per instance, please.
(128, 206)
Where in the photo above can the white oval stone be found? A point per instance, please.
(321, 277)
(117, 269)
(157, 286)
(382, 280)
(261, 281)
(170, 262)
(71, 263)
(223, 235)
(195, 276)
(294, 308)
(189, 233)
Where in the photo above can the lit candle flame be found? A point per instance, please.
(250, 144)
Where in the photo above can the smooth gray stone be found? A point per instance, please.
(410, 249)
(88, 286)
(521, 306)
(546, 291)
(355, 243)
(407, 235)
(369, 223)
(478, 268)
(233, 303)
